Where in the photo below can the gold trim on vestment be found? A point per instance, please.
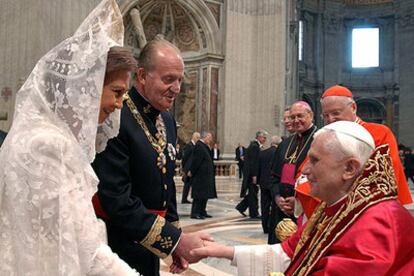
(154, 235)
(375, 184)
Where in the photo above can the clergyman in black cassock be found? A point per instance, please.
(289, 157)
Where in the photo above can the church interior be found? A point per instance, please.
(245, 62)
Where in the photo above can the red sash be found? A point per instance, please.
(288, 174)
(102, 214)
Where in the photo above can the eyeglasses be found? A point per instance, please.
(298, 116)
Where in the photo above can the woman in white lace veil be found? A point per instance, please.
(47, 222)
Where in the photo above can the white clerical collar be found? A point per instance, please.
(193, 142)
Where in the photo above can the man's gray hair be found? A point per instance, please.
(204, 134)
(346, 100)
(346, 145)
(196, 135)
(261, 132)
(145, 59)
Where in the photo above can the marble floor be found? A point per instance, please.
(226, 226)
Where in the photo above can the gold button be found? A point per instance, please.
(165, 204)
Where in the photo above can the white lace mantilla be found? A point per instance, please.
(47, 222)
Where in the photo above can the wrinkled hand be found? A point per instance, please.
(179, 264)
(214, 249)
(286, 205)
(289, 205)
(191, 241)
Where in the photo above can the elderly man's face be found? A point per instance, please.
(262, 139)
(162, 84)
(324, 171)
(338, 109)
(208, 139)
(301, 118)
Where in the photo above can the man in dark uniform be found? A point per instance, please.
(240, 150)
(136, 194)
(202, 177)
(251, 171)
(265, 180)
(288, 159)
(186, 162)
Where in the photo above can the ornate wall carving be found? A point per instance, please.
(215, 10)
(213, 100)
(185, 107)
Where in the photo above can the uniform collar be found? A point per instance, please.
(143, 104)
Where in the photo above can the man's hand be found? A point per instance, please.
(286, 205)
(189, 174)
(214, 249)
(179, 264)
(191, 241)
(254, 180)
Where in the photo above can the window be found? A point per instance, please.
(365, 47)
(300, 42)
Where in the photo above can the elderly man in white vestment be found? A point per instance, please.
(358, 226)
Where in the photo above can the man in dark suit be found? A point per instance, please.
(240, 151)
(136, 194)
(2, 136)
(265, 180)
(202, 177)
(215, 152)
(251, 171)
(185, 163)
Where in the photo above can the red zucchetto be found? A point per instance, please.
(337, 90)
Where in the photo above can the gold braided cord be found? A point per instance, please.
(161, 142)
(154, 236)
(293, 157)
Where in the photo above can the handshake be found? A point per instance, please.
(193, 247)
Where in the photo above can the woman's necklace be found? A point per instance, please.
(158, 144)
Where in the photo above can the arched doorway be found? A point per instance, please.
(371, 110)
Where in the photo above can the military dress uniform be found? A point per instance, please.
(136, 195)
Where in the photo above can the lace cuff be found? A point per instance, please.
(107, 263)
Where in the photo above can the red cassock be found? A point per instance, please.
(383, 135)
(379, 242)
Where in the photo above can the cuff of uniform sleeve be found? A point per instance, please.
(162, 238)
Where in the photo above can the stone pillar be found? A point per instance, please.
(254, 73)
